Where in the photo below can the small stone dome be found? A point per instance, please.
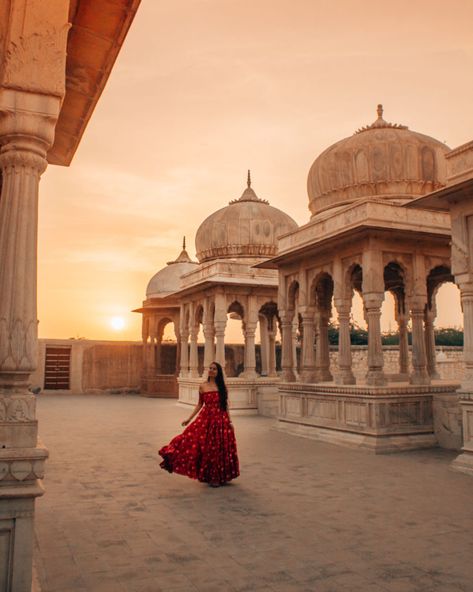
(168, 279)
(382, 160)
(247, 228)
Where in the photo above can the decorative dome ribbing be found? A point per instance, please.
(381, 160)
(247, 228)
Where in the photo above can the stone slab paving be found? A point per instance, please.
(303, 517)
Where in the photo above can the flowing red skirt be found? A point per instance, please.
(206, 450)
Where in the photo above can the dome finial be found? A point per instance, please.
(379, 110)
(184, 243)
(248, 182)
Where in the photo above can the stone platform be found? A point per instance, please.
(304, 516)
(381, 419)
(247, 396)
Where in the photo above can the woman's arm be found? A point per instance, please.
(197, 408)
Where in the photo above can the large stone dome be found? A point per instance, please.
(382, 160)
(168, 279)
(247, 228)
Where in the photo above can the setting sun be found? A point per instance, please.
(117, 323)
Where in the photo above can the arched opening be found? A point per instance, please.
(268, 330)
(166, 348)
(394, 312)
(443, 321)
(235, 358)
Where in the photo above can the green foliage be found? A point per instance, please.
(358, 336)
(449, 336)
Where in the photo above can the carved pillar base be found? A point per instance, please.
(345, 376)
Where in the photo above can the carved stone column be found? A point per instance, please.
(209, 346)
(177, 359)
(307, 373)
(345, 374)
(22, 458)
(184, 370)
(220, 324)
(372, 304)
(403, 345)
(295, 364)
(419, 359)
(264, 345)
(429, 335)
(322, 352)
(193, 356)
(144, 358)
(272, 347)
(250, 357)
(287, 350)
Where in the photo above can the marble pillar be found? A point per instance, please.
(264, 345)
(220, 324)
(287, 363)
(419, 373)
(429, 335)
(250, 355)
(209, 345)
(345, 374)
(307, 373)
(184, 370)
(295, 361)
(24, 139)
(403, 345)
(193, 354)
(372, 305)
(272, 347)
(322, 352)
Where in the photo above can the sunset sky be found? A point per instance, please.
(204, 90)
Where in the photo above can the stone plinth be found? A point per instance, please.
(246, 396)
(380, 419)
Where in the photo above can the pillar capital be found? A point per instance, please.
(373, 300)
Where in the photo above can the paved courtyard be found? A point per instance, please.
(303, 516)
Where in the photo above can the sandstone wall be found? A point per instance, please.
(116, 366)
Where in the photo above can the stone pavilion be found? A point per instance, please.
(361, 238)
(194, 296)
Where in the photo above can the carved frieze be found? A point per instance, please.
(17, 408)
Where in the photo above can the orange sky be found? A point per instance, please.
(204, 90)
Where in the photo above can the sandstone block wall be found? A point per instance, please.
(97, 366)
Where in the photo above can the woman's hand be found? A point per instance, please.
(185, 422)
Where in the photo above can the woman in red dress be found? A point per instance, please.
(206, 450)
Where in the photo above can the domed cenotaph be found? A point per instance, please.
(195, 296)
(362, 238)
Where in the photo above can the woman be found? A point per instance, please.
(206, 450)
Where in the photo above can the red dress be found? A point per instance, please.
(206, 449)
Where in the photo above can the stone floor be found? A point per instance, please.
(303, 516)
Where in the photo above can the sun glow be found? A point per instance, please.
(117, 323)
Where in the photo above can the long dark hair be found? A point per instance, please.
(222, 387)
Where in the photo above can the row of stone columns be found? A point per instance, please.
(214, 343)
(315, 362)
